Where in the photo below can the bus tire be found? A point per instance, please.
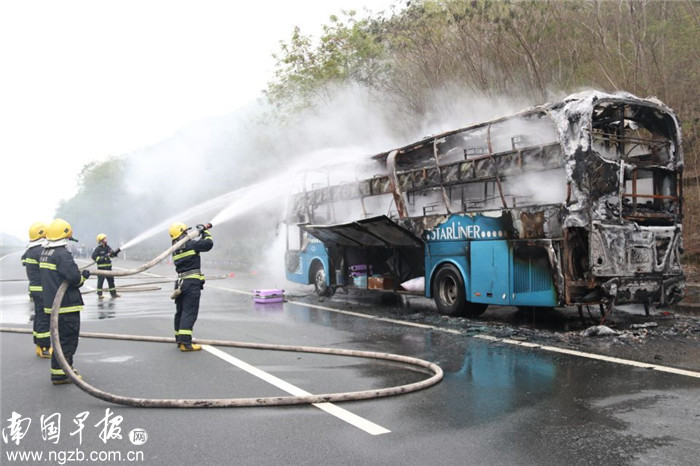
(318, 278)
(450, 294)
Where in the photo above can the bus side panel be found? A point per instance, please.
(438, 253)
(490, 271)
(532, 281)
(314, 251)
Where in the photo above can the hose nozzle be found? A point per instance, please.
(204, 226)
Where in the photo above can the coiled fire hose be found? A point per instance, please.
(232, 402)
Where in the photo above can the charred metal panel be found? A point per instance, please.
(450, 173)
(629, 250)
(537, 222)
(595, 174)
(380, 185)
(365, 188)
(532, 224)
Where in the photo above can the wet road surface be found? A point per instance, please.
(497, 404)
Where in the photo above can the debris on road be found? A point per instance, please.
(644, 325)
(599, 331)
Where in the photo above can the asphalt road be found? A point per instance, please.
(497, 404)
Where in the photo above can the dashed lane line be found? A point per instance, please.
(552, 349)
(330, 408)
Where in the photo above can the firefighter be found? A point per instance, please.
(30, 260)
(102, 255)
(188, 287)
(56, 266)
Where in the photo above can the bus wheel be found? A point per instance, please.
(448, 291)
(450, 294)
(318, 277)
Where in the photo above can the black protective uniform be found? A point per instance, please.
(56, 265)
(102, 255)
(30, 259)
(190, 283)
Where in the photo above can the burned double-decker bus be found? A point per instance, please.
(573, 202)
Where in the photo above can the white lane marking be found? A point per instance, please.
(553, 349)
(599, 357)
(330, 408)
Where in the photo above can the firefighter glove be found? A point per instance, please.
(85, 274)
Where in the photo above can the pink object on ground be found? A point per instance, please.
(274, 295)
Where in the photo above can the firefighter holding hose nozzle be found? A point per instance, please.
(56, 264)
(102, 255)
(190, 281)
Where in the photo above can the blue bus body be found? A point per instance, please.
(313, 253)
(493, 274)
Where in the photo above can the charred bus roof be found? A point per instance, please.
(580, 110)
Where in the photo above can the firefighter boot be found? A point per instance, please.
(44, 352)
(63, 380)
(185, 347)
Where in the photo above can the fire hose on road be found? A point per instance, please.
(230, 402)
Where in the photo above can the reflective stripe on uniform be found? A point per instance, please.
(195, 276)
(29, 260)
(185, 332)
(57, 372)
(102, 266)
(43, 335)
(191, 252)
(36, 288)
(65, 310)
(47, 265)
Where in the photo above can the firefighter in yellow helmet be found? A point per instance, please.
(190, 281)
(30, 260)
(56, 265)
(102, 255)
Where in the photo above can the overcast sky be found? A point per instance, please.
(85, 80)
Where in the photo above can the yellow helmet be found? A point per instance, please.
(100, 237)
(59, 229)
(177, 229)
(37, 230)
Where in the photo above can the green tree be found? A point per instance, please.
(307, 71)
